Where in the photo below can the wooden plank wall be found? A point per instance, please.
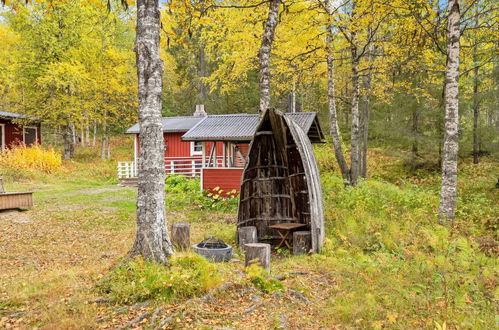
(16, 200)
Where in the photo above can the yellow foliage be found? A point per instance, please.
(34, 158)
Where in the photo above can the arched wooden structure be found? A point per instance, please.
(281, 181)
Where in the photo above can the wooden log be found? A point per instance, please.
(181, 235)
(258, 253)
(302, 242)
(246, 235)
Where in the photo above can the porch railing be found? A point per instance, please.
(188, 166)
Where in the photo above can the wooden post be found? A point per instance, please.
(302, 242)
(2, 190)
(181, 235)
(258, 253)
(246, 235)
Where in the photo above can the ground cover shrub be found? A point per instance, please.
(182, 192)
(262, 279)
(136, 280)
(33, 158)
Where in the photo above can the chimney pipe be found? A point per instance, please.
(199, 110)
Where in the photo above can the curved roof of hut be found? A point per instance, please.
(281, 180)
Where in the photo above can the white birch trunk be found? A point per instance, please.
(476, 103)
(331, 95)
(94, 138)
(264, 54)
(448, 196)
(355, 131)
(152, 239)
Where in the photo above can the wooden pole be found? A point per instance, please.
(181, 235)
(302, 242)
(246, 235)
(258, 253)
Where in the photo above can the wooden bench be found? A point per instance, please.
(16, 200)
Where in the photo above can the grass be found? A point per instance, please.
(386, 262)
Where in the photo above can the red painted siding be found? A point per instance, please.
(226, 179)
(14, 132)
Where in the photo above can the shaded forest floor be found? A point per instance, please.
(386, 261)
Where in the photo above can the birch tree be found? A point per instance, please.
(447, 210)
(264, 54)
(331, 95)
(152, 238)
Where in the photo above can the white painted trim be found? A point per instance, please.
(204, 154)
(135, 144)
(2, 138)
(24, 133)
(201, 177)
(193, 152)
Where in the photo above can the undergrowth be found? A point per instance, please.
(182, 192)
(138, 280)
(31, 158)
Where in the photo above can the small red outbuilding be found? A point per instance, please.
(212, 147)
(16, 129)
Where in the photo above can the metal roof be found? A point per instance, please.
(11, 115)
(172, 124)
(241, 127)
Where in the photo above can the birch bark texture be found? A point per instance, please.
(152, 238)
(447, 209)
(331, 96)
(355, 129)
(264, 54)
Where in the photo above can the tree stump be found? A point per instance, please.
(302, 242)
(246, 235)
(181, 235)
(258, 253)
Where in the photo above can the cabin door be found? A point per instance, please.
(2, 137)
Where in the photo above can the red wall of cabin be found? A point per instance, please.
(227, 179)
(14, 132)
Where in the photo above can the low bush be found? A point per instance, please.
(262, 280)
(138, 280)
(33, 157)
(182, 192)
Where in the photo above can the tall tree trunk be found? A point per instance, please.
(203, 94)
(366, 100)
(67, 140)
(476, 104)
(94, 137)
(355, 132)
(447, 210)
(103, 139)
(415, 129)
(331, 96)
(264, 54)
(87, 129)
(152, 238)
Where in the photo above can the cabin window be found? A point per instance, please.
(29, 135)
(196, 148)
(2, 137)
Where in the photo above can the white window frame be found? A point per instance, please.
(36, 133)
(2, 138)
(193, 151)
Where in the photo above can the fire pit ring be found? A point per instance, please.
(214, 249)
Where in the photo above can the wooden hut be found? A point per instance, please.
(281, 181)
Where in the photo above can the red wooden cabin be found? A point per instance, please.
(213, 147)
(16, 129)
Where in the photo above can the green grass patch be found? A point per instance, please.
(138, 280)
